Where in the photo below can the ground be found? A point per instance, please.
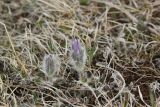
(121, 38)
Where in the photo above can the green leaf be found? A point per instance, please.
(90, 53)
(152, 98)
(84, 2)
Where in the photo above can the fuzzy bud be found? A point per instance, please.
(51, 65)
(78, 55)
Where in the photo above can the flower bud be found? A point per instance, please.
(78, 55)
(51, 65)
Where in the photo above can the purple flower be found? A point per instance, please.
(76, 46)
(77, 55)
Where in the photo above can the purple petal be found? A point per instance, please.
(76, 46)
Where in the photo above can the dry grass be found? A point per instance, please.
(122, 38)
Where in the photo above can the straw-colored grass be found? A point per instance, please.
(122, 39)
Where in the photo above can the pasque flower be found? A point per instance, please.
(51, 65)
(77, 55)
